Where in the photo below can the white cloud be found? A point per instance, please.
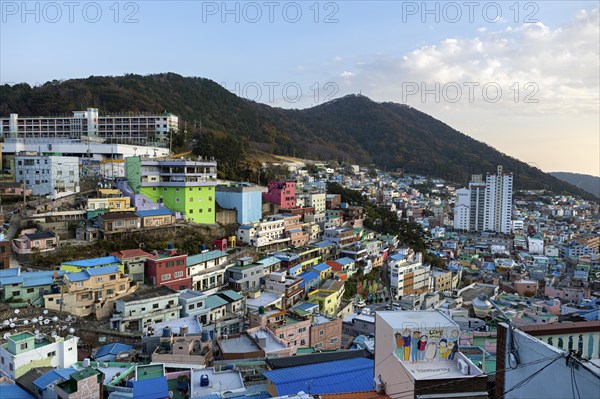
(556, 66)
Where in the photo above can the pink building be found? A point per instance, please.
(282, 193)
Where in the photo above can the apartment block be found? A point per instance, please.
(140, 310)
(183, 186)
(128, 129)
(48, 174)
(24, 351)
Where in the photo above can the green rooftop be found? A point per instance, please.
(149, 371)
(21, 336)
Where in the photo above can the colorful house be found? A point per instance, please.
(84, 264)
(156, 217)
(168, 268)
(183, 186)
(282, 193)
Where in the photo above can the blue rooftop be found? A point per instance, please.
(10, 391)
(345, 261)
(155, 212)
(321, 267)
(351, 375)
(31, 279)
(205, 257)
(151, 388)
(93, 262)
(285, 256)
(108, 353)
(53, 376)
(398, 257)
(269, 261)
(306, 306)
(322, 244)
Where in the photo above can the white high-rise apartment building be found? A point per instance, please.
(498, 201)
(147, 130)
(485, 205)
(461, 209)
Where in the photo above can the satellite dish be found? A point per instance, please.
(63, 328)
(12, 325)
(34, 320)
(6, 335)
(45, 311)
(25, 322)
(6, 323)
(46, 321)
(71, 330)
(17, 311)
(55, 319)
(36, 332)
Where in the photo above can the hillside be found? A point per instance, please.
(589, 183)
(351, 128)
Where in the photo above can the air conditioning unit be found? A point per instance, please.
(463, 366)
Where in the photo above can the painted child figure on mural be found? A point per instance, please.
(414, 346)
(399, 344)
(454, 335)
(443, 350)
(407, 338)
(453, 351)
(422, 347)
(430, 351)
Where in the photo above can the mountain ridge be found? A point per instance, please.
(351, 128)
(589, 183)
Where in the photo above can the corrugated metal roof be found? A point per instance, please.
(93, 262)
(322, 357)
(10, 391)
(111, 349)
(154, 212)
(321, 267)
(205, 257)
(350, 375)
(214, 301)
(53, 376)
(151, 388)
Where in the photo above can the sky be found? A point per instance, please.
(523, 77)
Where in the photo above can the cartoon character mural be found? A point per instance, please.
(399, 344)
(422, 346)
(444, 350)
(430, 351)
(453, 350)
(426, 345)
(407, 338)
(414, 346)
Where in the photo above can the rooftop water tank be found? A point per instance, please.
(166, 332)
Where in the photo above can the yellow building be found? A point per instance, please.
(91, 292)
(111, 204)
(326, 299)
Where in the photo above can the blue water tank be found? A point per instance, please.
(204, 336)
(202, 247)
(166, 332)
(204, 380)
(170, 246)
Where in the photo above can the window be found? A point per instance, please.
(321, 333)
(121, 287)
(165, 277)
(302, 342)
(30, 290)
(110, 292)
(177, 199)
(1, 360)
(333, 340)
(98, 279)
(23, 346)
(155, 306)
(280, 335)
(16, 293)
(85, 296)
(53, 353)
(191, 306)
(113, 276)
(301, 330)
(119, 223)
(178, 274)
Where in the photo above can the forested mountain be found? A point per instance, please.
(352, 128)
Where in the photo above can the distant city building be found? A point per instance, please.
(485, 205)
(127, 129)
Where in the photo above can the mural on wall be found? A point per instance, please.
(426, 344)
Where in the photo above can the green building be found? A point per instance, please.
(184, 186)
